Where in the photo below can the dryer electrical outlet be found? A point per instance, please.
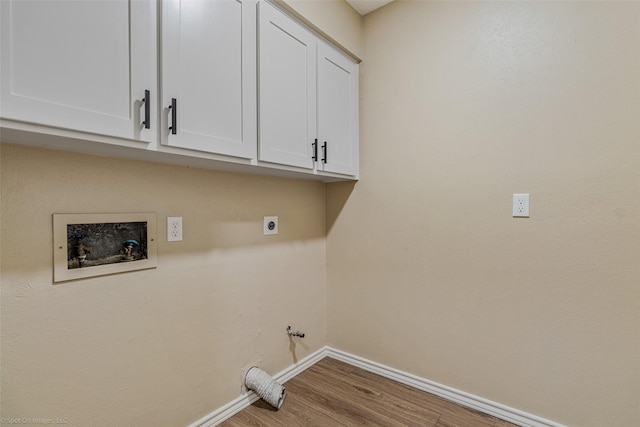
(270, 225)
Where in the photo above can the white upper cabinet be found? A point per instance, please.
(208, 68)
(287, 106)
(80, 65)
(308, 98)
(234, 84)
(337, 111)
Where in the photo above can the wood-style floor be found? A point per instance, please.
(333, 393)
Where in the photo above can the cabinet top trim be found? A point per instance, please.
(284, 7)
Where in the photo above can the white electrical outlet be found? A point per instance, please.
(174, 229)
(521, 205)
(270, 225)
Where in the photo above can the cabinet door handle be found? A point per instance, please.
(315, 151)
(174, 116)
(147, 109)
(324, 152)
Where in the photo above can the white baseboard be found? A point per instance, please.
(244, 401)
(495, 409)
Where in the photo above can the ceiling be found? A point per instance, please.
(365, 6)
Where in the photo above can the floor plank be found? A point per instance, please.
(333, 393)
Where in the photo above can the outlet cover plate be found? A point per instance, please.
(270, 225)
(521, 205)
(174, 229)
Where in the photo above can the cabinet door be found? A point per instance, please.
(80, 65)
(287, 101)
(209, 68)
(337, 111)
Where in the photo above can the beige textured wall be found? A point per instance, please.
(166, 346)
(159, 347)
(462, 105)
